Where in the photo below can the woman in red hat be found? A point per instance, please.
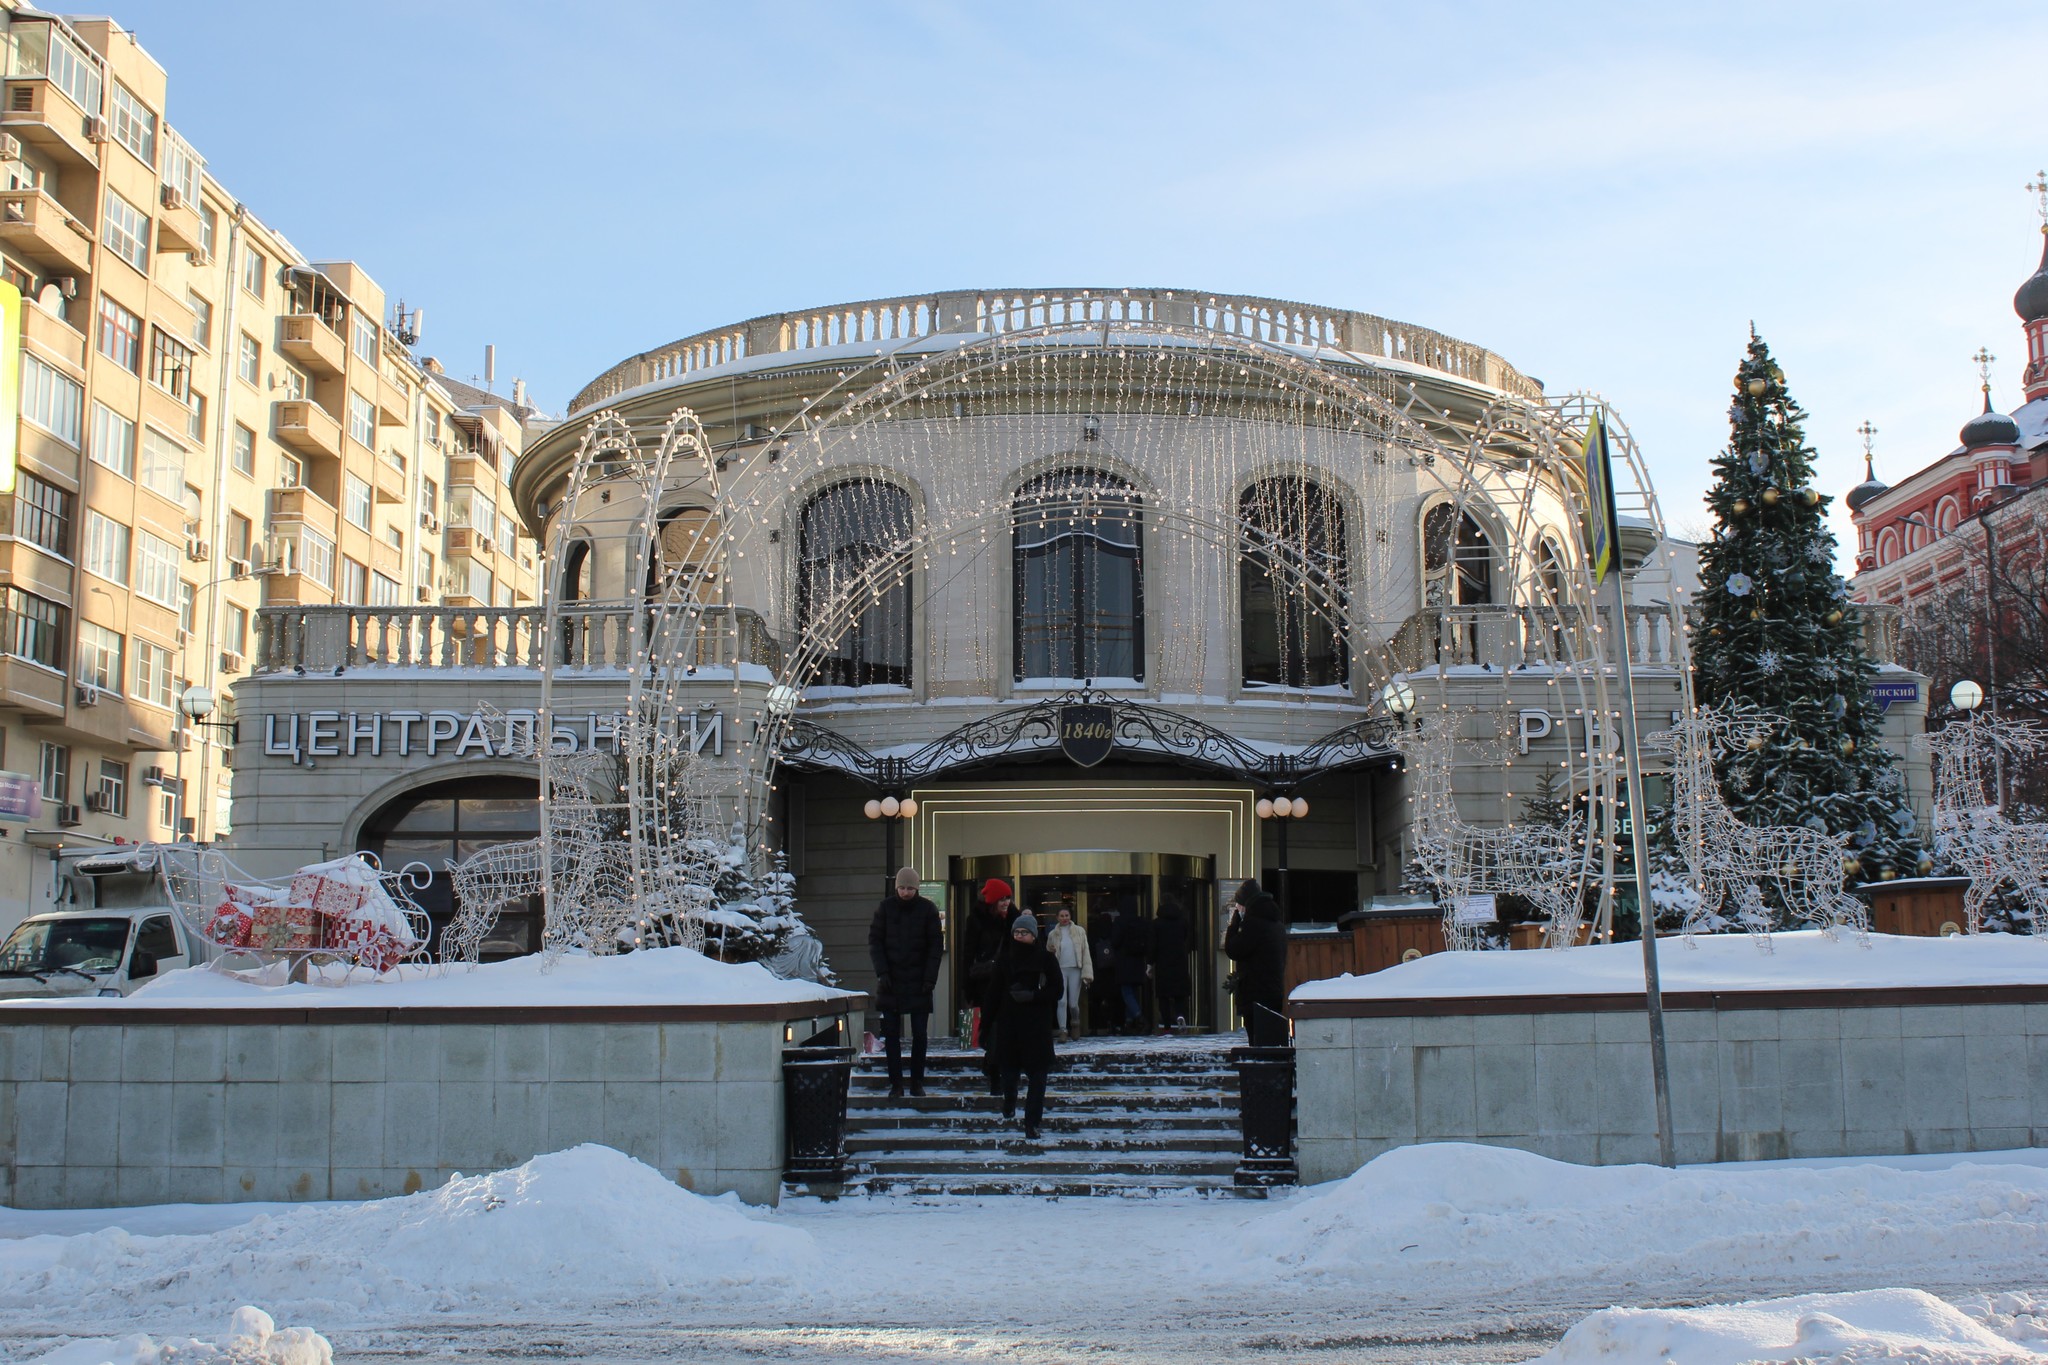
(988, 935)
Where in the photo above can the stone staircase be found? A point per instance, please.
(1139, 1117)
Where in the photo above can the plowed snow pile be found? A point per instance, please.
(574, 1229)
(252, 1338)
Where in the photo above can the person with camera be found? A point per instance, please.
(905, 947)
(1028, 987)
(1256, 941)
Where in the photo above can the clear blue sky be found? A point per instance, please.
(1605, 195)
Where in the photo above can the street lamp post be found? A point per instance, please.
(1283, 809)
(890, 810)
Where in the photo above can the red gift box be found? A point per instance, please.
(364, 942)
(326, 895)
(284, 927)
(231, 925)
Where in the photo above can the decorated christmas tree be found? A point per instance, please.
(1777, 635)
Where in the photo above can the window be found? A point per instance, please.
(255, 270)
(125, 230)
(294, 384)
(195, 418)
(42, 514)
(46, 49)
(188, 610)
(36, 629)
(362, 419)
(156, 569)
(1079, 582)
(433, 427)
(170, 364)
(235, 633)
(394, 537)
(106, 547)
(851, 565)
(56, 772)
(241, 535)
(355, 582)
(356, 501)
(120, 334)
(365, 338)
(99, 657)
(209, 227)
(481, 583)
(134, 125)
(1291, 585)
(249, 359)
(153, 681)
(1457, 559)
(316, 557)
(385, 592)
(426, 569)
(50, 399)
(181, 170)
(244, 450)
(291, 472)
(113, 787)
(202, 319)
(170, 804)
(163, 464)
(430, 497)
(113, 441)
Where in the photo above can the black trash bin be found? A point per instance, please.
(1265, 1109)
(814, 1083)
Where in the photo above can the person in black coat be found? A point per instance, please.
(1256, 941)
(986, 937)
(1172, 983)
(1133, 943)
(905, 945)
(1028, 990)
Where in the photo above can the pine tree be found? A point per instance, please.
(1777, 634)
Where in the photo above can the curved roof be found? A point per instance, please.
(1989, 428)
(1871, 487)
(2031, 302)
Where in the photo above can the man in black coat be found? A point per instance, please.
(1172, 982)
(1133, 943)
(1256, 941)
(905, 944)
(1028, 986)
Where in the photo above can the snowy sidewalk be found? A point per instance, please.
(1489, 1254)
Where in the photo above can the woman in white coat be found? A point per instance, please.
(1069, 947)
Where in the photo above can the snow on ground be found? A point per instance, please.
(252, 1338)
(1488, 1254)
(1806, 960)
(659, 976)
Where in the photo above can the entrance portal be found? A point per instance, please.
(1101, 887)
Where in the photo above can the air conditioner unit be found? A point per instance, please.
(68, 817)
(67, 285)
(183, 636)
(10, 147)
(238, 568)
(152, 777)
(429, 522)
(173, 197)
(95, 801)
(196, 549)
(483, 543)
(230, 661)
(200, 257)
(423, 593)
(88, 694)
(95, 128)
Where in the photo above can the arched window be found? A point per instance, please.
(449, 821)
(848, 537)
(576, 585)
(1887, 546)
(1948, 516)
(683, 543)
(1291, 585)
(1457, 559)
(1080, 600)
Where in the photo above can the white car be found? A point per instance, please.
(117, 932)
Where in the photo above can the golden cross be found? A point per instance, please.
(1984, 359)
(2038, 186)
(1868, 431)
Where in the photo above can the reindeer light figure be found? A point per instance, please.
(1461, 860)
(1971, 833)
(1732, 861)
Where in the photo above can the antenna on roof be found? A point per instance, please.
(407, 324)
(490, 366)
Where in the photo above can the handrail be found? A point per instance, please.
(325, 639)
(997, 311)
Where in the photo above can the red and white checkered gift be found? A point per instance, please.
(331, 889)
(231, 925)
(364, 942)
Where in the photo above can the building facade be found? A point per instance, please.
(210, 423)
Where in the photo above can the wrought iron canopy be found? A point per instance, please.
(1138, 730)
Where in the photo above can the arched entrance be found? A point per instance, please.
(447, 822)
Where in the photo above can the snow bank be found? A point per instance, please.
(659, 976)
(1445, 1215)
(1878, 1325)
(252, 1338)
(561, 1233)
(1806, 960)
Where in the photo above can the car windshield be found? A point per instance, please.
(48, 945)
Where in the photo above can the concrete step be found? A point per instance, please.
(1054, 1187)
(1030, 1159)
(1059, 1115)
(1004, 1138)
(1111, 1101)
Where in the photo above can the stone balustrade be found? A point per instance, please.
(1512, 637)
(322, 638)
(999, 311)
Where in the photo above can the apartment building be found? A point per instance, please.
(209, 423)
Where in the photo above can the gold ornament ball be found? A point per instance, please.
(1758, 387)
(1754, 743)
(1756, 613)
(1851, 866)
(1771, 496)
(1847, 746)
(1741, 507)
(1886, 875)
(1926, 865)
(1718, 632)
(1789, 871)
(1834, 618)
(1810, 496)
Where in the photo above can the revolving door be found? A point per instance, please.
(1100, 888)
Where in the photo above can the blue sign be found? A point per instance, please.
(21, 797)
(1885, 693)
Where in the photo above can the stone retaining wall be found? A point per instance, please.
(1754, 1075)
(109, 1105)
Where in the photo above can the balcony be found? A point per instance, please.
(302, 505)
(37, 228)
(394, 406)
(177, 221)
(470, 471)
(27, 565)
(323, 638)
(306, 427)
(389, 480)
(464, 540)
(42, 115)
(32, 688)
(387, 559)
(303, 337)
(54, 339)
(1504, 637)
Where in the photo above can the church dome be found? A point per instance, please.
(1870, 488)
(2031, 303)
(1990, 428)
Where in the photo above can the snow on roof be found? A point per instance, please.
(1806, 960)
(660, 976)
